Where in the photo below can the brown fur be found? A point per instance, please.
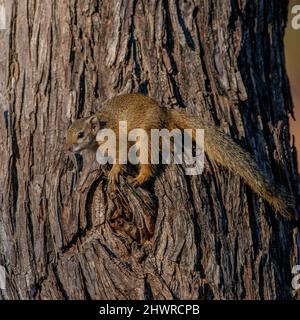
(143, 112)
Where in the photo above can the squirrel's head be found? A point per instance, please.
(82, 134)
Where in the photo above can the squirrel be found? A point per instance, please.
(144, 112)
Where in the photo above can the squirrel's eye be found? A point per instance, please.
(80, 135)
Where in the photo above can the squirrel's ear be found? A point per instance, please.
(94, 123)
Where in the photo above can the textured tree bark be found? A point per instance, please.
(63, 233)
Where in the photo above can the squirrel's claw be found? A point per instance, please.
(137, 181)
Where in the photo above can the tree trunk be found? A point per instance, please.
(64, 234)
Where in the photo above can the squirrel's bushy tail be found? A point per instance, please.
(221, 148)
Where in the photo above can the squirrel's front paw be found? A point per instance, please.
(134, 181)
(113, 176)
